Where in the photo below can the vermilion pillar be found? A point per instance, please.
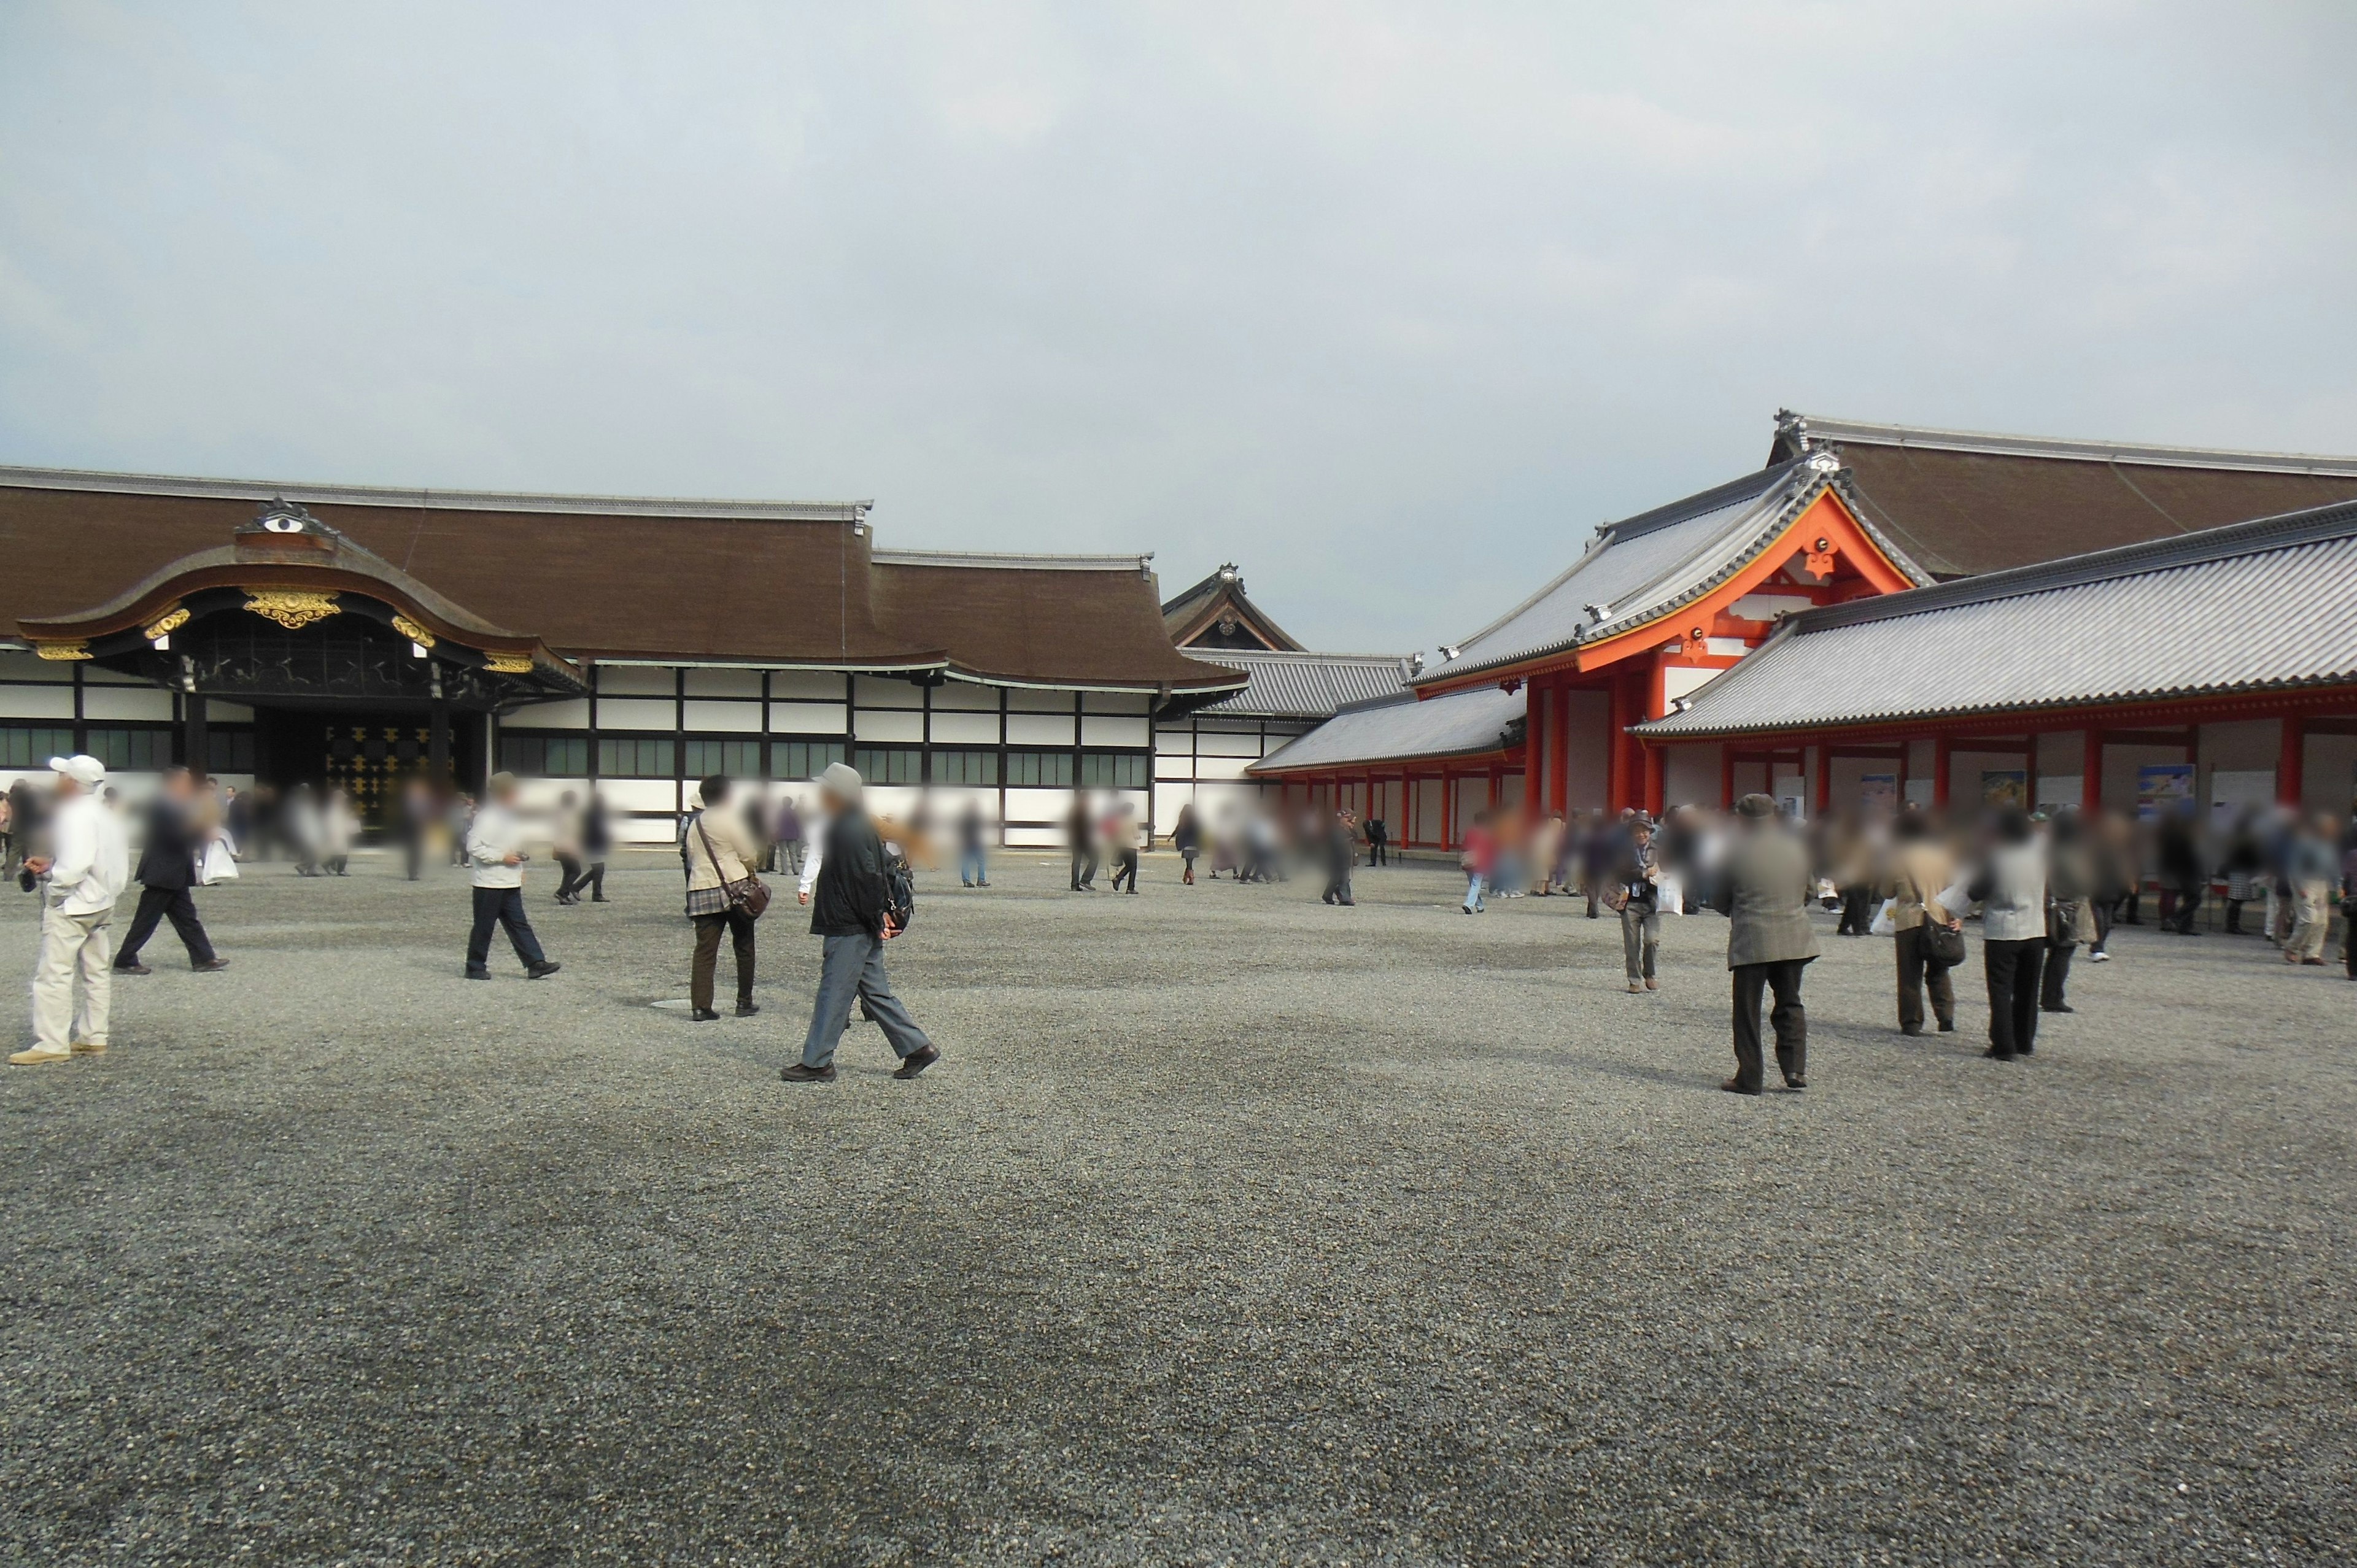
(1940, 772)
(2091, 772)
(2293, 762)
(1820, 793)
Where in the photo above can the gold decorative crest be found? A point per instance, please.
(164, 625)
(290, 607)
(508, 663)
(62, 649)
(411, 630)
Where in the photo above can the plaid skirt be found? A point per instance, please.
(708, 901)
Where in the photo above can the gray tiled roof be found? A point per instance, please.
(1460, 724)
(1304, 685)
(1647, 566)
(2249, 607)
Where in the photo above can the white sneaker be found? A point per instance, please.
(37, 1057)
(2099, 958)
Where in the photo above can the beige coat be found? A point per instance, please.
(1766, 898)
(732, 841)
(1924, 872)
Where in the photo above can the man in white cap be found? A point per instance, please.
(88, 867)
(853, 912)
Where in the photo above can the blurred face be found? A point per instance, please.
(505, 795)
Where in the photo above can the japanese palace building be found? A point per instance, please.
(1564, 701)
(288, 632)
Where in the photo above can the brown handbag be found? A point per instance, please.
(748, 893)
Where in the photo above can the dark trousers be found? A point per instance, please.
(854, 967)
(2057, 975)
(739, 926)
(1375, 848)
(2013, 969)
(571, 865)
(1752, 981)
(412, 851)
(1084, 867)
(1337, 888)
(1857, 910)
(2108, 914)
(501, 907)
(594, 879)
(1124, 869)
(172, 904)
(2189, 904)
(1919, 972)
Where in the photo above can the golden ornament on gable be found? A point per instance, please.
(508, 663)
(164, 625)
(411, 630)
(291, 609)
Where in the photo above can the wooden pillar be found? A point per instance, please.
(1941, 772)
(2091, 772)
(198, 758)
(1535, 748)
(1559, 726)
(2290, 765)
(1821, 790)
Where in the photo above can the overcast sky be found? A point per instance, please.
(1390, 304)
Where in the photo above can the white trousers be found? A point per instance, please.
(71, 944)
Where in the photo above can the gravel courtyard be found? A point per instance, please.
(1232, 1228)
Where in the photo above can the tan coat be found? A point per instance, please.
(1924, 871)
(732, 841)
(1766, 897)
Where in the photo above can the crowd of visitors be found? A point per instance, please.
(2040, 886)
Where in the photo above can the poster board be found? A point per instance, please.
(1878, 792)
(2005, 787)
(2163, 788)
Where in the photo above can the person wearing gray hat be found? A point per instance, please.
(1764, 894)
(852, 915)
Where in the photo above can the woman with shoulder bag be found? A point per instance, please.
(1925, 928)
(723, 895)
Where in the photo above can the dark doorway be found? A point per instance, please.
(368, 752)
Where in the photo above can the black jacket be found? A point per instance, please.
(850, 898)
(169, 857)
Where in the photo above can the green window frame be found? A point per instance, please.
(635, 757)
(545, 756)
(131, 750)
(965, 766)
(1039, 769)
(889, 763)
(1114, 769)
(730, 758)
(802, 759)
(229, 750)
(27, 745)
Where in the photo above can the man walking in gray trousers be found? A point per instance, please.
(851, 909)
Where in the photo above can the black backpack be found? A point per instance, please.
(899, 888)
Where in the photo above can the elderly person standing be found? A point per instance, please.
(1764, 893)
(494, 849)
(88, 867)
(1637, 891)
(721, 854)
(2011, 892)
(1920, 870)
(2309, 865)
(851, 912)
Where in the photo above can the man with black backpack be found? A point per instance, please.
(853, 910)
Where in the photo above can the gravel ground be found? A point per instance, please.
(1232, 1228)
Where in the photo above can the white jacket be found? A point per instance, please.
(92, 856)
(2015, 910)
(496, 834)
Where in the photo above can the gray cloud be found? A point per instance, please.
(1390, 304)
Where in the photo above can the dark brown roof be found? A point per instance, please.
(1962, 503)
(605, 577)
(1216, 613)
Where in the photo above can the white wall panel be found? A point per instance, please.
(965, 729)
(723, 683)
(869, 724)
(646, 830)
(635, 681)
(1038, 805)
(145, 703)
(807, 718)
(880, 691)
(1221, 767)
(33, 667)
(37, 703)
(1097, 731)
(1165, 767)
(1029, 700)
(1214, 745)
(1039, 729)
(744, 717)
(1033, 838)
(808, 685)
(640, 794)
(963, 695)
(574, 715)
(636, 713)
